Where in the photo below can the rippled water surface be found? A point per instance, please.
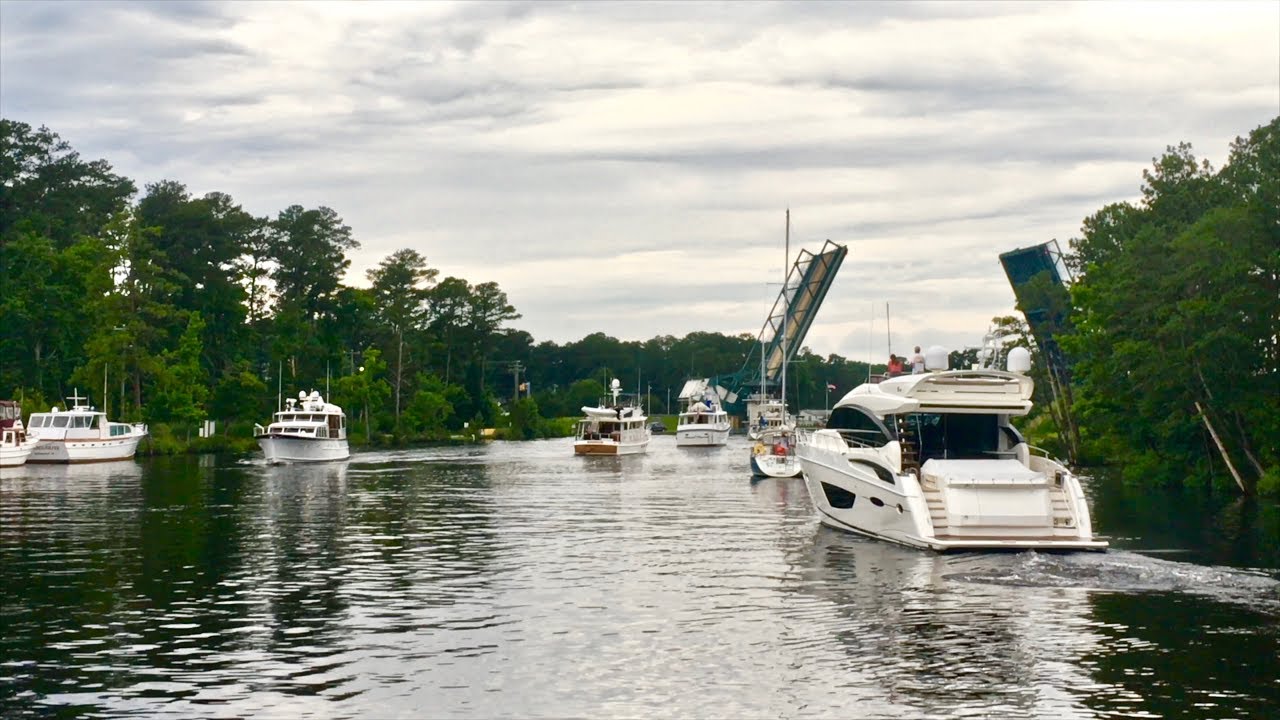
(518, 580)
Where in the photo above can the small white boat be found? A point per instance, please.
(15, 444)
(932, 461)
(307, 430)
(82, 434)
(774, 454)
(703, 422)
(614, 430)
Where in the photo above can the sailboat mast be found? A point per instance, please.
(786, 310)
(888, 331)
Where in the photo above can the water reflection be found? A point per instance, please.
(515, 579)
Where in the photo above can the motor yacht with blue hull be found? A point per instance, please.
(932, 461)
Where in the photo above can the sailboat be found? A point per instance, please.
(774, 452)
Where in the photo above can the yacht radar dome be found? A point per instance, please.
(1019, 360)
(935, 358)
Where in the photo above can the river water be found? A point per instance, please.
(516, 580)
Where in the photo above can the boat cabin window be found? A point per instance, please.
(859, 428)
(60, 421)
(954, 436)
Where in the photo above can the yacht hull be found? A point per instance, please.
(852, 496)
(701, 436)
(15, 455)
(280, 449)
(84, 451)
(775, 466)
(608, 447)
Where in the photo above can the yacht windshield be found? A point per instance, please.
(951, 436)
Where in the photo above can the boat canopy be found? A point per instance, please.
(958, 391)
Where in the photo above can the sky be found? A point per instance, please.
(625, 167)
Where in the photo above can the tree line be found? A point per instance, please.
(1173, 334)
(187, 307)
(190, 307)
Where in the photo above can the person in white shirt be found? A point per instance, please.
(917, 362)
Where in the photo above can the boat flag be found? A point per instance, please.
(830, 386)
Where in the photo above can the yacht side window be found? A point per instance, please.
(859, 428)
(60, 421)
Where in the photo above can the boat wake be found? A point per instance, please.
(1121, 572)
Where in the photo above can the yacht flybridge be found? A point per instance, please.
(931, 461)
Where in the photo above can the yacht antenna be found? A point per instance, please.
(279, 386)
(76, 398)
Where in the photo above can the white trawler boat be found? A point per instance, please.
(81, 434)
(15, 444)
(931, 461)
(307, 430)
(615, 430)
(703, 422)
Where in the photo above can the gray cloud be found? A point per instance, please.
(641, 154)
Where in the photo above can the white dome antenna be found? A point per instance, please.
(936, 358)
(1018, 360)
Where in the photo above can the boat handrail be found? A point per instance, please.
(1043, 453)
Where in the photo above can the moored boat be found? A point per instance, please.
(614, 430)
(932, 461)
(15, 444)
(306, 430)
(81, 434)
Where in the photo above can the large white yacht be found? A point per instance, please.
(15, 444)
(81, 434)
(932, 461)
(703, 422)
(307, 430)
(612, 430)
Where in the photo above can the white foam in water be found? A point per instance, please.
(1127, 572)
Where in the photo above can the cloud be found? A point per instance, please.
(624, 167)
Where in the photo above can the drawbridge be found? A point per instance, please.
(806, 285)
(1039, 277)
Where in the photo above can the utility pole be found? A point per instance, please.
(516, 367)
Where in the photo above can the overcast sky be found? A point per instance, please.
(625, 167)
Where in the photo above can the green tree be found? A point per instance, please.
(366, 391)
(429, 410)
(1176, 319)
(401, 284)
(182, 385)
